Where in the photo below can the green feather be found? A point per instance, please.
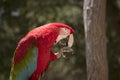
(16, 69)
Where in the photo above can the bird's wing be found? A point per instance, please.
(25, 59)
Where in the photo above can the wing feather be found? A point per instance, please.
(24, 60)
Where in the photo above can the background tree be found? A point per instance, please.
(95, 34)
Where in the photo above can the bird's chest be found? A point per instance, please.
(44, 48)
(47, 41)
(45, 44)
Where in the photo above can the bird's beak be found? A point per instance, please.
(70, 39)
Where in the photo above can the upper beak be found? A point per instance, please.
(71, 40)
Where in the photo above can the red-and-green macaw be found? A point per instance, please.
(33, 53)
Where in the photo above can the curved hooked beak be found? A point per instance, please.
(69, 39)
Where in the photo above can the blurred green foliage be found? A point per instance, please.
(17, 17)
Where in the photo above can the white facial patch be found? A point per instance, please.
(64, 31)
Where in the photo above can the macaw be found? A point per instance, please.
(34, 51)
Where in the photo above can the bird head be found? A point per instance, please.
(65, 39)
(65, 34)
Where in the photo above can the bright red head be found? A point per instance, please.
(61, 25)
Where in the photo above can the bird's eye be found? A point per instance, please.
(65, 29)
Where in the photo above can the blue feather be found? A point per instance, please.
(29, 69)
